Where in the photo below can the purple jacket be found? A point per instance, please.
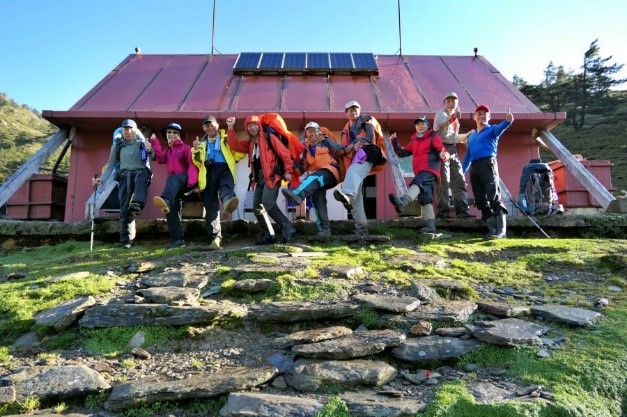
(178, 158)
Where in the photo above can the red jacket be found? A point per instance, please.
(425, 152)
(178, 158)
(269, 159)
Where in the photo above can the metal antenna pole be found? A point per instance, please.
(213, 26)
(400, 38)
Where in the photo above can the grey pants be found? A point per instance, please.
(352, 186)
(452, 177)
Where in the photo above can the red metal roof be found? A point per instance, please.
(154, 89)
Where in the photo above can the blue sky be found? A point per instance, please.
(55, 51)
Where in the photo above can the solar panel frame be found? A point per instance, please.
(365, 61)
(248, 60)
(341, 61)
(271, 60)
(273, 63)
(318, 61)
(295, 60)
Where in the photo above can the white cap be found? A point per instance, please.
(312, 124)
(351, 104)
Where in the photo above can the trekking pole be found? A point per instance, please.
(529, 217)
(93, 215)
(506, 192)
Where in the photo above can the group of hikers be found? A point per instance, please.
(208, 167)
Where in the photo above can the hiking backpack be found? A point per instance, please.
(118, 139)
(537, 195)
(274, 123)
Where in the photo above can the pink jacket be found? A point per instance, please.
(178, 158)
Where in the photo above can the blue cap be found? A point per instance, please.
(422, 119)
(129, 123)
(173, 126)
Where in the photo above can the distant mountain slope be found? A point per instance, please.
(22, 132)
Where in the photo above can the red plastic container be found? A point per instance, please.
(570, 192)
(42, 197)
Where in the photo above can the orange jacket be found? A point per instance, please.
(269, 159)
(324, 159)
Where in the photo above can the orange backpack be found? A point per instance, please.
(274, 123)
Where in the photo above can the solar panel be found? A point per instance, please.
(341, 61)
(318, 60)
(247, 60)
(273, 63)
(271, 60)
(364, 61)
(295, 60)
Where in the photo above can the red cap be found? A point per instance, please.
(482, 107)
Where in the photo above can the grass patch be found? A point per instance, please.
(113, 341)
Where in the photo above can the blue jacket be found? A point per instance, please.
(483, 144)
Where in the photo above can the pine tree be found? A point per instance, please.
(592, 86)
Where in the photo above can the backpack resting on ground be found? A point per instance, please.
(537, 195)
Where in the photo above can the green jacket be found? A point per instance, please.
(200, 154)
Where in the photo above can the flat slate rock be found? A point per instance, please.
(508, 332)
(295, 311)
(64, 315)
(358, 344)
(241, 404)
(173, 279)
(371, 404)
(310, 375)
(277, 265)
(391, 303)
(53, 382)
(126, 315)
(170, 295)
(311, 336)
(195, 386)
(503, 309)
(433, 348)
(445, 310)
(252, 286)
(569, 315)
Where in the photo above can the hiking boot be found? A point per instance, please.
(230, 205)
(428, 228)
(361, 231)
(345, 199)
(288, 232)
(176, 244)
(292, 196)
(500, 231)
(135, 208)
(215, 244)
(490, 222)
(162, 203)
(324, 234)
(399, 203)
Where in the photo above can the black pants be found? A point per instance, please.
(484, 179)
(132, 187)
(220, 186)
(173, 193)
